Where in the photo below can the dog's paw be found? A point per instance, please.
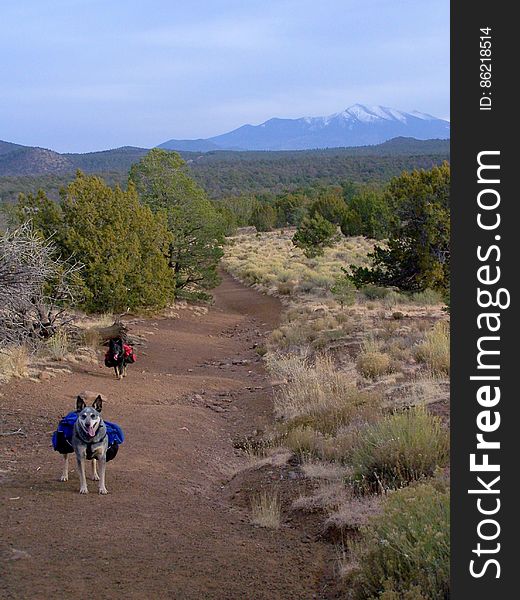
(95, 477)
(83, 490)
(103, 491)
(64, 478)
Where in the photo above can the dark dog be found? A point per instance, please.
(90, 442)
(118, 356)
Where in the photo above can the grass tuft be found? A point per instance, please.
(14, 363)
(58, 346)
(435, 350)
(266, 510)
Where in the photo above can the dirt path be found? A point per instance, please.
(175, 523)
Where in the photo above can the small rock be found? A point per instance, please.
(18, 554)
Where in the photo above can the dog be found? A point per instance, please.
(119, 355)
(89, 441)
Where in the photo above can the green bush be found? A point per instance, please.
(404, 553)
(122, 245)
(399, 449)
(416, 255)
(263, 217)
(164, 183)
(313, 235)
(344, 291)
(374, 292)
(428, 298)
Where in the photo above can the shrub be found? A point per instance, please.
(435, 350)
(428, 298)
(373, 364)
(393, 298)
(330, 206)
(122, 244)
(263, 217)
(285, 288)
(314, 234)
(344, 291)
(196, 230)
(374, 292)
(404, 553)
(417, 253)
(399, 449)
(304, 440)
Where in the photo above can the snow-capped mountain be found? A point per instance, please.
(358, 125)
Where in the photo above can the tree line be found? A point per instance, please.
(162, 237)
(139, 247)
(411, 214)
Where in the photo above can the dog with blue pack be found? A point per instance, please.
(85, 433)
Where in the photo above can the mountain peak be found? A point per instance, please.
(358, 125)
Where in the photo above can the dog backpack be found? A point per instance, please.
(129, 353)
(62, 437)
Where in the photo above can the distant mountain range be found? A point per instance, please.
(16, 160)
(19, 161)
(358, 125)
(224, 172)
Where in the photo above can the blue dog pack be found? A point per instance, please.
(62, 437)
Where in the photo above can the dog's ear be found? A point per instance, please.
(80, 404)
(98, 403)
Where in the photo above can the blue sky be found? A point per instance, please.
(81, 75)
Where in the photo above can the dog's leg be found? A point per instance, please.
(95, 476)
(65, 474)
(83, 489)
(102, 468)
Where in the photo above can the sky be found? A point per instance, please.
(84, 75)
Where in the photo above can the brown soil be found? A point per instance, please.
(176, 521)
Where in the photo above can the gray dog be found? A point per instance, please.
(90, 442)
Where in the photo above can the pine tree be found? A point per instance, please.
(196, 229)
(417, 254)
(314, 234)
(122, 245)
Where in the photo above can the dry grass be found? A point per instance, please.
(435, 350)
(373, 364)
(266, 510)
(14, 363)
(271, 261)
(317, 394)
(58, 346)
(425, 389)
(352, 386)
(353, 513)
(325, 471)
(94, 321)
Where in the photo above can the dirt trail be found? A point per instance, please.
(169, 527)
